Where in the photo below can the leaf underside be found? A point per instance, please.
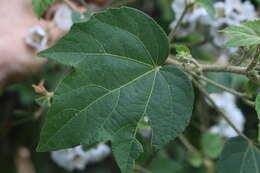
(239, 156)
(245, 35)
(118, 78)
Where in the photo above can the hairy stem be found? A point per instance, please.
(209, 67)
(205, 93)
(243, 96)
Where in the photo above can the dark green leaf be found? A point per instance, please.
(239, 156)
(39, 6)
(118, 78)
(245, 35)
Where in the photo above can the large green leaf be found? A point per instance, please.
(118, 77)
(39, 6)
(239, 156)
(245, 35)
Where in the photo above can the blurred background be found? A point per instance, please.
(27, 83)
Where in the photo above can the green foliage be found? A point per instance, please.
(180, 49)
(258, 105)
(195, 159)
(208, 5)
(165, 165)
(166, 10)
(245, 35)
(119, 77)
(39, 6)
(226, 79)
(258, 113)
(212, 145)
(239, 156)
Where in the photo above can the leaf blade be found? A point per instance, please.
(239, 156)
(116, 67)
(245, 35)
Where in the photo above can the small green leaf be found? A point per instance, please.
(119, 77)
(245, 35)
(212, 145)
(39, 6)
(239, 156)
(182, 49)
(208, 5)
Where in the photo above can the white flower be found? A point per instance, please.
(70, 159)
(63, 17)
(76, 158)
(230, 13)
(236, 10)
(226, 102)
(36, 37)
(99, 153)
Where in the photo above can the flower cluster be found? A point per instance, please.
(226, 102)
(77, 158)
(228, 13)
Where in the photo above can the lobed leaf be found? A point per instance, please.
(118, 78)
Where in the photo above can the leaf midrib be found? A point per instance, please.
(145, 109)
(90, 104)
(104, 54)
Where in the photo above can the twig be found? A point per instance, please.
(174, 30)
(251, 66)
(209, 67)
(243, 96)
(204, 92)
(234, 92)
